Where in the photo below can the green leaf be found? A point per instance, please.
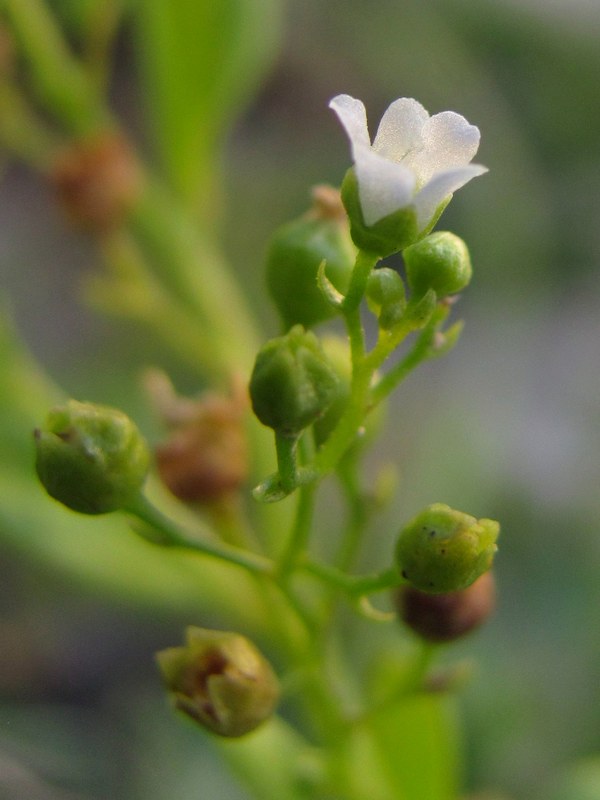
(200, 63)
(417, 741)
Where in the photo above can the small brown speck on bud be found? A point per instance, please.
(448, 616)
(97, 181)
(204, 459)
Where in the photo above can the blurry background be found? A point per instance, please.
(505, 427)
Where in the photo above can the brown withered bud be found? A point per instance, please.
(205, 457)
(220, 680)
(97, 181)
(448, 616)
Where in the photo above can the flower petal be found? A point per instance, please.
(383, 186)
(448, 141)
(400, 128)
(437, 190)
(353, 116)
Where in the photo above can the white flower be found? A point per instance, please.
(415, 160)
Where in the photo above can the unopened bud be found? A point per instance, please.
(292, 383)
(220, 680)
(91, 458)
(295, 253)
(97, 181)
(442, 550)
(386, 296)
(450, 615)
(440, 262)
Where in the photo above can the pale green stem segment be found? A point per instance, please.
(301, 529)
(56, 76)
(167, 533)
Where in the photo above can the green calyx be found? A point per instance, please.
(220, 680)
(386, 236)
(295, 253)
(440, 262)
(443, 550)
(91, 458)
(292, 383)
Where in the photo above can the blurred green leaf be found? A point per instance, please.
(200, 64)
(417, 739)
(274, 761)
(78, 16)
(580, 782)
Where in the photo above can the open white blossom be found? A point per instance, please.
(415, 160)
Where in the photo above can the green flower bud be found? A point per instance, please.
(292, 383)
(220, 680)
(386, 296)
(450, 615)
(295, 253)
(386, 236)
(91, 458)
(442, 550)
(440, 262)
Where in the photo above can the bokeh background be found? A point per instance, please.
(506, 426)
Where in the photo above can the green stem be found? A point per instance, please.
(57, 77)
(285, 447)
(345, 431)
(301, 530)
(421, 351)
(172, 535)
(353, 585)
(300, 533)
(363, 266)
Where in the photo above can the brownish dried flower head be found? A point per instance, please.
(97, 181)
(220, 680)
(204, 459)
